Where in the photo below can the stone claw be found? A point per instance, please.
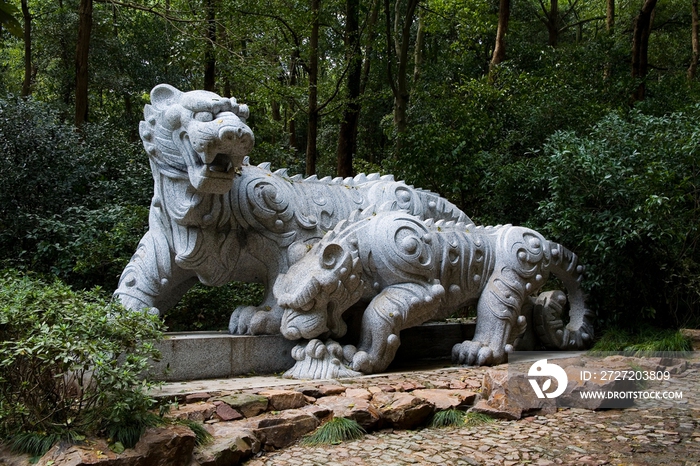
(320, 360)
(475, 353)
(254, 320)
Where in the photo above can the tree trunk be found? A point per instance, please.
(640, 47)
(311, 149)
(693, 68)
(27, 83)
(347, 135)
(209, 52)
(293, 142)
(610, 17)
(81, 62)
(418, 52)
(499, 50)
(553, 23)
(402, 38)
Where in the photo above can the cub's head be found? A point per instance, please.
(197, 133)
(317, 290)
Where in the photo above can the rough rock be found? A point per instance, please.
(282, 429)
(319, 412)
(232, 444)
(446, 399)
(199, 412)
(310, 390)
(159, 446)
(572, 396)
(402, 410)
(8, 458)
(226, 413)
(329, 390)
(284, 399)
(357, 409)
(358, 393)
(195, 397)
(166, 446)
(247, 404)
(693, 334)
(510, 395)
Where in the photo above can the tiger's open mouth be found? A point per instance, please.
(222, 164)
(212, 161)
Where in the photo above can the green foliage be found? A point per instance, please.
(8, 18)
(457, 418)
(67, 198)
(208, 308)
(70, 365)
(642, 340)
(201, 434)
(335, 431)
(448, 418)
(624, 198)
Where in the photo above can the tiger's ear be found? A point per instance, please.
(163, 95)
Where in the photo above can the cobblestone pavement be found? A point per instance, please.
(652, 433)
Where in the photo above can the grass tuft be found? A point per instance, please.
(476, 419)
(335, 431)
(201, 435)
(456, 418)
(37, 444)
(448, 418)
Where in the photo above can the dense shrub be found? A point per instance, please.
(58, 185)
(61, 373)
(625, 198)
(208, 308)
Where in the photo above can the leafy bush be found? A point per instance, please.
(208, 308)
(625, 198)
(59, 186)
(87, 247)
(70, 365)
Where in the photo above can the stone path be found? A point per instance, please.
(651, 433)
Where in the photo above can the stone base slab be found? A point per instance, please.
(218, 355)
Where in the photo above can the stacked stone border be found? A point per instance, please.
(246, 422)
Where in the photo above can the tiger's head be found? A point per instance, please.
(198, 134)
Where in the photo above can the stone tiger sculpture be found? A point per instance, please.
(214, 218)
(415, 270)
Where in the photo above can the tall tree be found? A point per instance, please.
(695, 42)
(27, 83)
(499, 50)
(347, 135)
(398, 38)
(209, 51)
(551, 19)
(610, 16)
(81, 61)
(312, 130)
(640, 47)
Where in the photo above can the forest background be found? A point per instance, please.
(577, 118)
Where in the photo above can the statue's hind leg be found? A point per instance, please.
(498, 321)
(393, 309)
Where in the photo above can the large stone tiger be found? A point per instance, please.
(215, 218)
(413, 270)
